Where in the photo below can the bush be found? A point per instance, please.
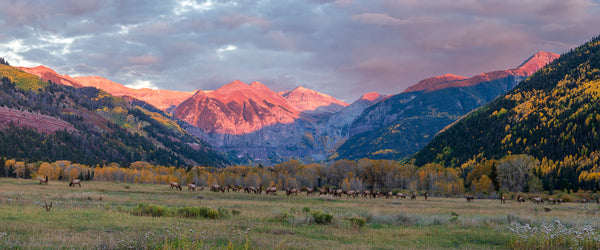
(357, 221)
(188, 212)
(235, 212)
(322, 217)
(143, 209)
(306, 210)
(208, 212)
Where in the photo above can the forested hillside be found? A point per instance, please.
(553, 116)
(104, 128)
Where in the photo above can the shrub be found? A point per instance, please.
(322, 217)
(188, 212)
(144, 209)
(208, 212)
(235, 212)
(357, 221)
(306, 210)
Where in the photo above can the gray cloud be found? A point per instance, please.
(343, 48)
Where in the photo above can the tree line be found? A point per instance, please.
(514, 173)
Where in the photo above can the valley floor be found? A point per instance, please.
(98, 215)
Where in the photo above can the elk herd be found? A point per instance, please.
(370, 194)
(295, 191)
(367, 194)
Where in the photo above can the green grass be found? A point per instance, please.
(99, 215)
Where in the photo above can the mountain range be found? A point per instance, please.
(252, 123)
(402, 124)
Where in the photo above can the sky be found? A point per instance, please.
(343, 48)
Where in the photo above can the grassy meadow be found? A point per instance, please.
(99, 215)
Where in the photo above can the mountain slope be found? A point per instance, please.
(309, 100)
(161, 99)
(553, 116)
(89, 126)
(337, 129)
(402, 124)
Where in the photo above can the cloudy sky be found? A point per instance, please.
(343, 48)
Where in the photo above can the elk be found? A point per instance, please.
(309, 191)
(560, 200)
(413, 196)
(366, 194)
(351, 193)
(217, 188)
(426, 195)
(537, 200)
(44, 180)
(271, 190)
(75, 182)
(470, 198)
(294, 191)
(389, 195)
(249, 189)
(551, 200)
(191, 187)
(502, 199)
(520, 199)
(401, 195)
(338, 193)
(175, 185)
(323, 191)
(234, 188)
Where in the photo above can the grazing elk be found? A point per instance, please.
(366, 194)
(520, 199)
(338, 193)
(470, 198)
(389, 195)
(351, 193)
(217, 188)
(271, 190)
(294, 191)
(551, 200)
(537, 200)
(75, 182)
(250, 189)
(175, 185)
(560, 200)
(309, 191)
(323, 191)
(191, 187)
(413, 196)
(234, 188)
(44, 180)
(401, 195)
